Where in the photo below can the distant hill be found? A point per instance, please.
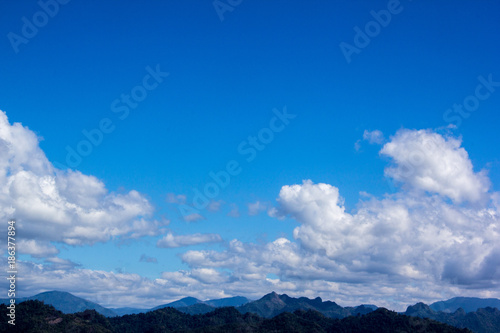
(65, 302)
(193, 305)
(34, 317)
(469, 304)
(183, 302)
(273, 304)
(484, 320)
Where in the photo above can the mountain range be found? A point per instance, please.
(273, 304)
(483, 320)
(479, 315)
(34, 317)
(68, 303)
(468, 304)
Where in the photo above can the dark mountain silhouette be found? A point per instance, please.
(65, 302)
(469, 304)
(35, 316)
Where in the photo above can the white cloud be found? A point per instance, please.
(170, 241)
(400, 236)
(427, 161)
(373, 137)
(208, 275)
(35, 249)
(61, 206)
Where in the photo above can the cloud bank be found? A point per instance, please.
(435, 238)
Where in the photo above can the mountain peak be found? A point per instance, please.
(419, 310)
(183, 302)
(67, 302)
(271, 296)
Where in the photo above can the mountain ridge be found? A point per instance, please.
(469, 304)
(270, 306)
(35, 316)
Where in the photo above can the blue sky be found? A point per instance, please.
(229, 75)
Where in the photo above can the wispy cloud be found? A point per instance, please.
(256, 208)
(234, 212)
(215, 205)
(374, 137)
(170, 240)
(176, 198)
(148, 259)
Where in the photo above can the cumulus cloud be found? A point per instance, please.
(52, 205)
(35, 249)
(404, 237)
(428, 161)
(170, 241)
